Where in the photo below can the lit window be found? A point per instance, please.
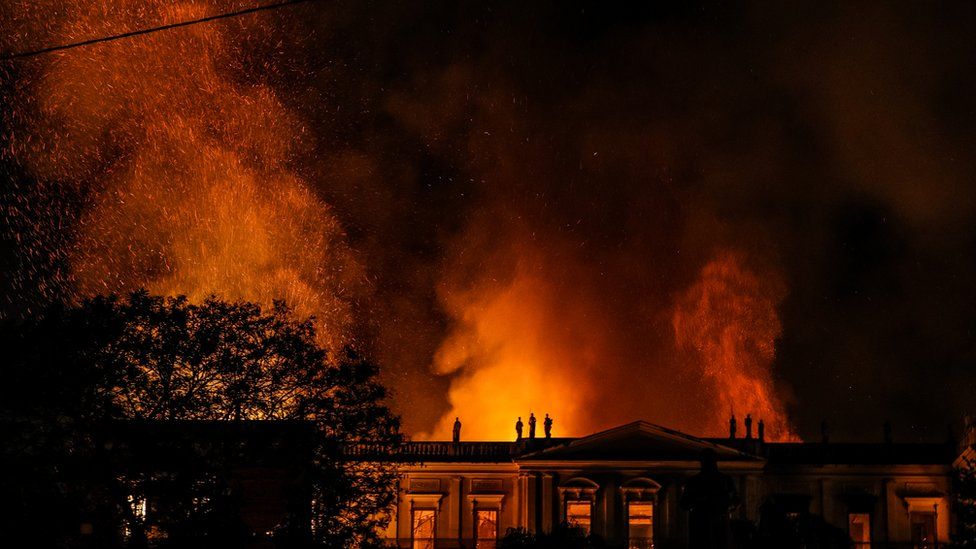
(487, 528)
(923, 530)
(578, 515)
(640, 525)
(423, 528)
(859, 528)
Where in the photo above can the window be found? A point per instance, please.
(859, 528)
(578, 514)
(923, 530)
(424, 527)
(640, 524)
(486, 528)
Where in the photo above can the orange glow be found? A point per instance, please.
(510, 360)
(544, 340)
(187, 166)
(728, 320)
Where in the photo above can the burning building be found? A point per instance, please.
(628, 485)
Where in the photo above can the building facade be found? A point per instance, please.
(625, 485)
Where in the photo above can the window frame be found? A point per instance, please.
(870, 525)
(580, 502)
(413, 526)
(477, 523)
(630, 538)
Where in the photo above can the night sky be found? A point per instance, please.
(596, 158)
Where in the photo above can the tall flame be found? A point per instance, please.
(184, 161)
(728, 321)
(517, 349)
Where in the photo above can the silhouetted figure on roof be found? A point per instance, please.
(732, 427)
(531, 426)
(762, 431)
(547, 426)
(518, 430)
(457, 429)
(709, 497)
(748, 426)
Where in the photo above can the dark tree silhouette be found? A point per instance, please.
(964, 504)
(72, 370)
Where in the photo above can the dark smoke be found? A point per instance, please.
(621, 150)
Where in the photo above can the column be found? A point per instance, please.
(547, 497)
(456, 509)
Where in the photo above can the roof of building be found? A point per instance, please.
(881, 453)
(644, 441)
(637, 441)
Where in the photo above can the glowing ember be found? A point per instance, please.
(728, 319)
(183, 164)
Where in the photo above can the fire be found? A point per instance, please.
(728, 321)
(510, 359)
(183, 157)
(184, 162)
(549, 338)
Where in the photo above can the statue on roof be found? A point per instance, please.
(547, 426)
(457, 429)
(518, 430)
(531, 426)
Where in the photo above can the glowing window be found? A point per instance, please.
(924, 535)
(859, 528)
(423, 528)
(487, 528)
(640, 525)
(578, 514)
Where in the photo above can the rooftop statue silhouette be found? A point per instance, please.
(457, 429)
(547, 426)
(531, 426)
(748, 426)
(732, 426)
(709, 496)
(518, 430)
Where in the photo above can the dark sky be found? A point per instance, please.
(622, 148)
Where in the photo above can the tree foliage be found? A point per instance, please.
(150, 358)
(964, 504)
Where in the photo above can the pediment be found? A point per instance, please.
(637, 441)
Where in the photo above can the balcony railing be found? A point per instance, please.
(433, 451)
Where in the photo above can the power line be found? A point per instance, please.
(150, 30)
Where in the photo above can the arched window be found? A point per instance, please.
(577, 496)
(639, 496)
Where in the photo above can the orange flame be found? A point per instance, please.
(510, 361)
(728, 320)
(191, 191)
(545, 337)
